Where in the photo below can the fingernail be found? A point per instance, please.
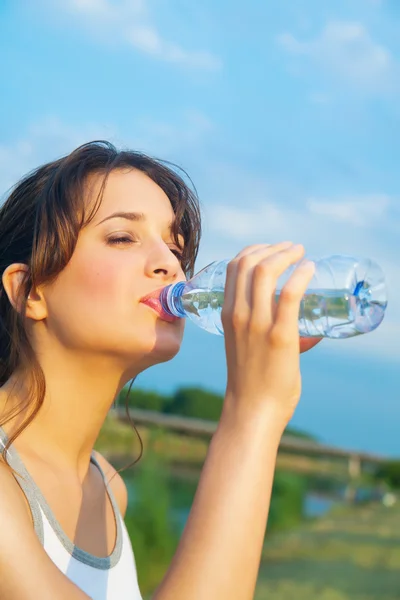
(307, 264)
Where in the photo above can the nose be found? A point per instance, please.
(163, 264)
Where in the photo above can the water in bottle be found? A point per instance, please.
(346, 297)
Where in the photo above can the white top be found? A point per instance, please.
(111, 578)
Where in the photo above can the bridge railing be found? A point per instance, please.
(205, 429)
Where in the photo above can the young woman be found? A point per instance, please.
(86, 244)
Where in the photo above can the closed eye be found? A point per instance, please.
(122, 240)
(118, 240)
(178, 253)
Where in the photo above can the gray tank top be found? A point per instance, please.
(36, 500)
(102, 578)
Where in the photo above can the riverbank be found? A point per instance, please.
(352, 553)
(347, 553)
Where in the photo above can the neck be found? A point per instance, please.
(79, 394)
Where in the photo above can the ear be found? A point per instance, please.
(13, 277)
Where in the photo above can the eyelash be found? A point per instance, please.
(127, 240)
(178, 254)
(120, 240)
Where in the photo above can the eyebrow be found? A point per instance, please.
(130, 216)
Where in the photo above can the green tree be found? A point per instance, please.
(146, 400)
(389, 472)
(154, 534)
(300, 434)
(287, 501)
(197, 403)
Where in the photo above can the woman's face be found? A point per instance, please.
(95, 305)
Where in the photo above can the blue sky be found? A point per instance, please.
(287, 117)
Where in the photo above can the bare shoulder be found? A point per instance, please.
(26, 571)
(12, 500)
(117, 484)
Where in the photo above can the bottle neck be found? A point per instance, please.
(171, 299)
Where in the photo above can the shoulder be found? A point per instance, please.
(24, 563)
(116, 482)
(12, 500)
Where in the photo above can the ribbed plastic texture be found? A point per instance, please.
(346, 297)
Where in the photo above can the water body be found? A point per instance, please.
(180, 492)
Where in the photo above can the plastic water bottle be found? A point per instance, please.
(346, 297)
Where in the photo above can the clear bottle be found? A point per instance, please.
(346, 297)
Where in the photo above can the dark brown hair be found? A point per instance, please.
(39, 226)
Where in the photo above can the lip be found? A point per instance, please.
(153, 301)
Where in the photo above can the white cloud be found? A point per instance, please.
(50, 137)
(100, 9)
(366, 211)
(316, 221)
(241, 209)
(45, 140)
(345, 49)
(251, 213)
(245, 223)
(174, 141)
(148, 40)
(130, 21)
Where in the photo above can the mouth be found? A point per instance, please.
(153, 301)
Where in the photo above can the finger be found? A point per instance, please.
(286, 324)
(237, 294)
(255, 247)
(245, 275)
(266, 275)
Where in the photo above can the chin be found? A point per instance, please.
(168, 343)
(163, 344)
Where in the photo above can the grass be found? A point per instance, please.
(351, 554)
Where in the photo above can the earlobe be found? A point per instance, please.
(13, 278)
(36, 306)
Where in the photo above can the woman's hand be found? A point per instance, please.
(261, 336)
(219, 552)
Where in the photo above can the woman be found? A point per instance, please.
(86, 245)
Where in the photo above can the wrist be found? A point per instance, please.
(239, 416)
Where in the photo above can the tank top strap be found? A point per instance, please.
(39, 506)
(25, 482)
(114, 503)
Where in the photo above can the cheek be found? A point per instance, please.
(88, 287)
(94, 278)
(97, 284)
(94, 303)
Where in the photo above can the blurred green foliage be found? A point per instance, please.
(194, 402)
(287, 502)
(153, 532)
(389, 473)
(351, 553)
(160, 503)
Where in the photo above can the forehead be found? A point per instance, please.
(130, 191)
